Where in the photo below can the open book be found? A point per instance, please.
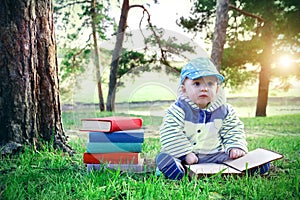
(252, 159)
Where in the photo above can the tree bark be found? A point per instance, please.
(110, 103)
(97, 59)
(265, 72)
(219, 37)
(30, 110)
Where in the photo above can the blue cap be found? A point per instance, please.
(198, 68)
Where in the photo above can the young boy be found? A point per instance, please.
(199, 127)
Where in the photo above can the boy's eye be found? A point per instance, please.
(210, 83)
(196, 83)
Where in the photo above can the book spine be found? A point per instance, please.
(113, 158)
(103, 147)
(126, 124)
(117, 137)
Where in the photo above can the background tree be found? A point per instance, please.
(30, 110)
(110, 103)
(219, 36)
(94, 22)
(129, 60)
(258, 31)
(78, 18)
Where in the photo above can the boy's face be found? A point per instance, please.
(202, 90)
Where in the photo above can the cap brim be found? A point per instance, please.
(193, 77)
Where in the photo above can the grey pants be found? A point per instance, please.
(219, 157)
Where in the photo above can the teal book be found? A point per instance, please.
(108, 147)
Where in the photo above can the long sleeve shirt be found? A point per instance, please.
(187, 128)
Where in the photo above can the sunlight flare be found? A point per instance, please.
(285, 61)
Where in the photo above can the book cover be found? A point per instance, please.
(111, 124)
(112, 158)
(106, 147)
(252, 159)
(128, 136)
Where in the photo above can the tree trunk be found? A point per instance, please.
(97, 59)
(264, 75)
(29, 90)
(110, 103)
(219, 37)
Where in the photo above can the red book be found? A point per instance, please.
(111, 124)
(112, 158)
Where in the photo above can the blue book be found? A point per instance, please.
(128, 136)
(106, 147)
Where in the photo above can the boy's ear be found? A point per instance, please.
(183, 88)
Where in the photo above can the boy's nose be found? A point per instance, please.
(203, 87)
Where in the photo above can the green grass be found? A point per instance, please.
(50, 174)
(279, 125)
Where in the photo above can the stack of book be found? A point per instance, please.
(114, 142)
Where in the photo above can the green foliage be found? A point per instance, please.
(244, 39)
(135, 63)
(77, 16)
(50, 174)
(236, 75)
(168, 44)
(234, 63)
(131, 60)
(74, 25)
(201, 15)
(73, 62)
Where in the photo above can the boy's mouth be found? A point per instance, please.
(203, 95)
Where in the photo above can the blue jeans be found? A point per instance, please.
(219, 158)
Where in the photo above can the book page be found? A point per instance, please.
(96, 125)
(136, 168)
(211, 168)
(253, 159)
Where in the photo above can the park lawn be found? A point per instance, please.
(50, 174)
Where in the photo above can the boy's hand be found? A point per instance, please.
(191, 158)
(236, 153)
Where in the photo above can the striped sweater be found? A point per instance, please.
(187, 128)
